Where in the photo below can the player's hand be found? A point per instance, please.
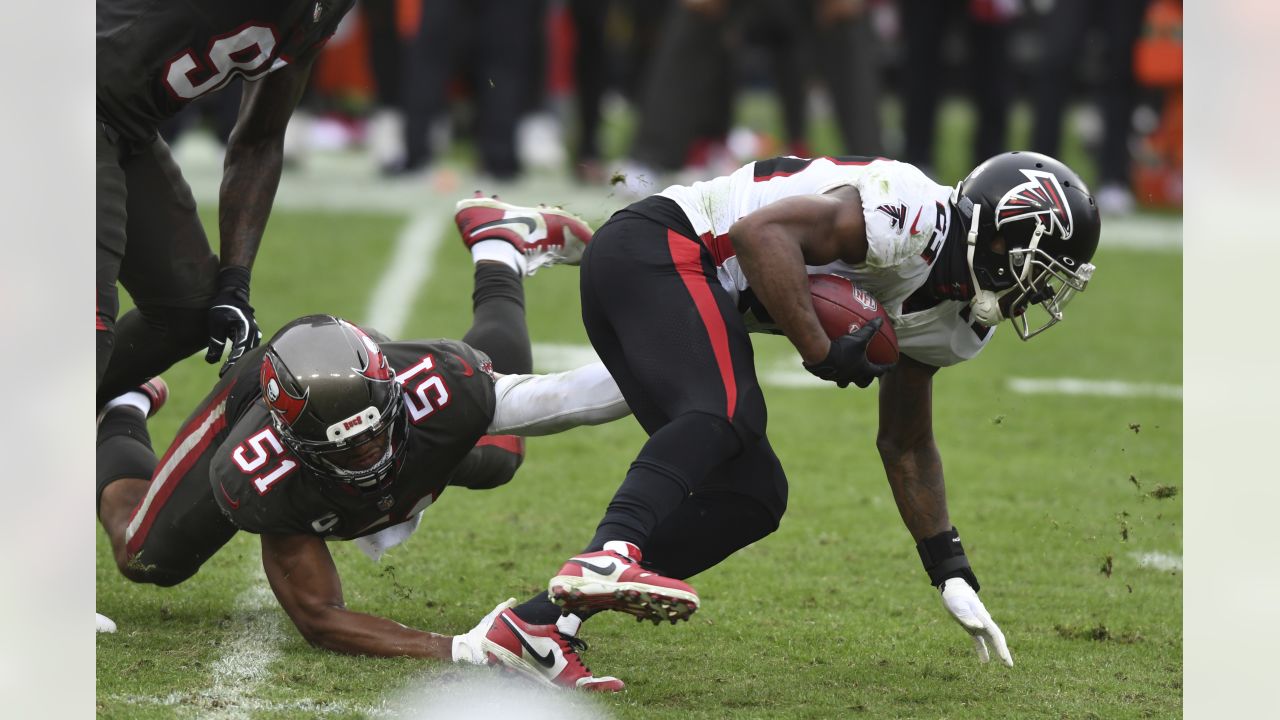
(231, 318)
(962, 602)
(847, 362)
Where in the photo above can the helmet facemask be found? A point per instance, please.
(1044, 281)
(363, 451)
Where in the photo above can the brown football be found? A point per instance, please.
(843, 307)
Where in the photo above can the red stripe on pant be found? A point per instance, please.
(511, 443)
(191, 441)
(687, 256)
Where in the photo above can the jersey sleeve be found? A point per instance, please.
(448, 390)
(900, 210)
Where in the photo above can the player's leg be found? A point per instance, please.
(111, 215)
(740, 503)
(169, 270)
(160, 516)
(504, 253)
(681, 348)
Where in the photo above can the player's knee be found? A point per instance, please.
(135, 570)
(499, 457)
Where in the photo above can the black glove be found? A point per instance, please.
(231, 318)
(847, 361)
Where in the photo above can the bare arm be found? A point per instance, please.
(773, 245)
(254, 160)
(305, 581)
(908, 451)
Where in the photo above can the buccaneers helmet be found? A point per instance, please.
(335, 401)
(1032, 228)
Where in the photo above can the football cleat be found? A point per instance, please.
(157, 391)
(612, 579)
(546, 236)
(541, 653)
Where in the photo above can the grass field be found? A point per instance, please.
(1069, 505)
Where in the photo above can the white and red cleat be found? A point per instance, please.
(546, 236)
(541, 653)
(612, 579)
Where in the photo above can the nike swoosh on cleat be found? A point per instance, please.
(527, 222)
(547, 661)
(601, 569)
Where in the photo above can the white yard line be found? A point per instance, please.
(244, 664)
(1162, 561)
(1095, 388)
(407, 272)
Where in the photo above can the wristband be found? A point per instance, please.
(236, 279)
(943, 558)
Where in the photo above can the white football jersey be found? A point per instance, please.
(906, 215)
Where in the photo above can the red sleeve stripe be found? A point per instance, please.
(191, 442)
(719, 246)
(687, 255)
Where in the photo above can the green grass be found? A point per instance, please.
(831, 616)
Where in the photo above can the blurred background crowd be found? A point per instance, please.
(639, 93)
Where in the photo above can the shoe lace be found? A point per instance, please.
(576, 645)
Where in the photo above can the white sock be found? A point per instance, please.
(623, 548)
(502, 251)
(569, 624)
(133, 398)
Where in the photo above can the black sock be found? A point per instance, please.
(538, 610)
(498, 326)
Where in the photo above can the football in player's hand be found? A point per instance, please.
(843, 307)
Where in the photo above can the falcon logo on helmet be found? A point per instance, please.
(1040, 197)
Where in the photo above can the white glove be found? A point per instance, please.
(469, 648)
(962, 602)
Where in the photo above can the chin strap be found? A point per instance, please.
(986, 303)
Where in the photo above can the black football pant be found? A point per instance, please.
(150, 240)
(707, 482)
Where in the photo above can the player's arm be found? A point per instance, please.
(250, 175)
(908, 450)
(914, 469)
(305, 581)
(773, 245)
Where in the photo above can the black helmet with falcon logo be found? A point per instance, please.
(1032, 228)
(335, 401)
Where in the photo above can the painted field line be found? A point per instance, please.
(244, 667)
(1163, 561)
(1095, 388)
(407, 272)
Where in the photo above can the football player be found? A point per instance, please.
(333, 432)
(665, 285)
(152, 59)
